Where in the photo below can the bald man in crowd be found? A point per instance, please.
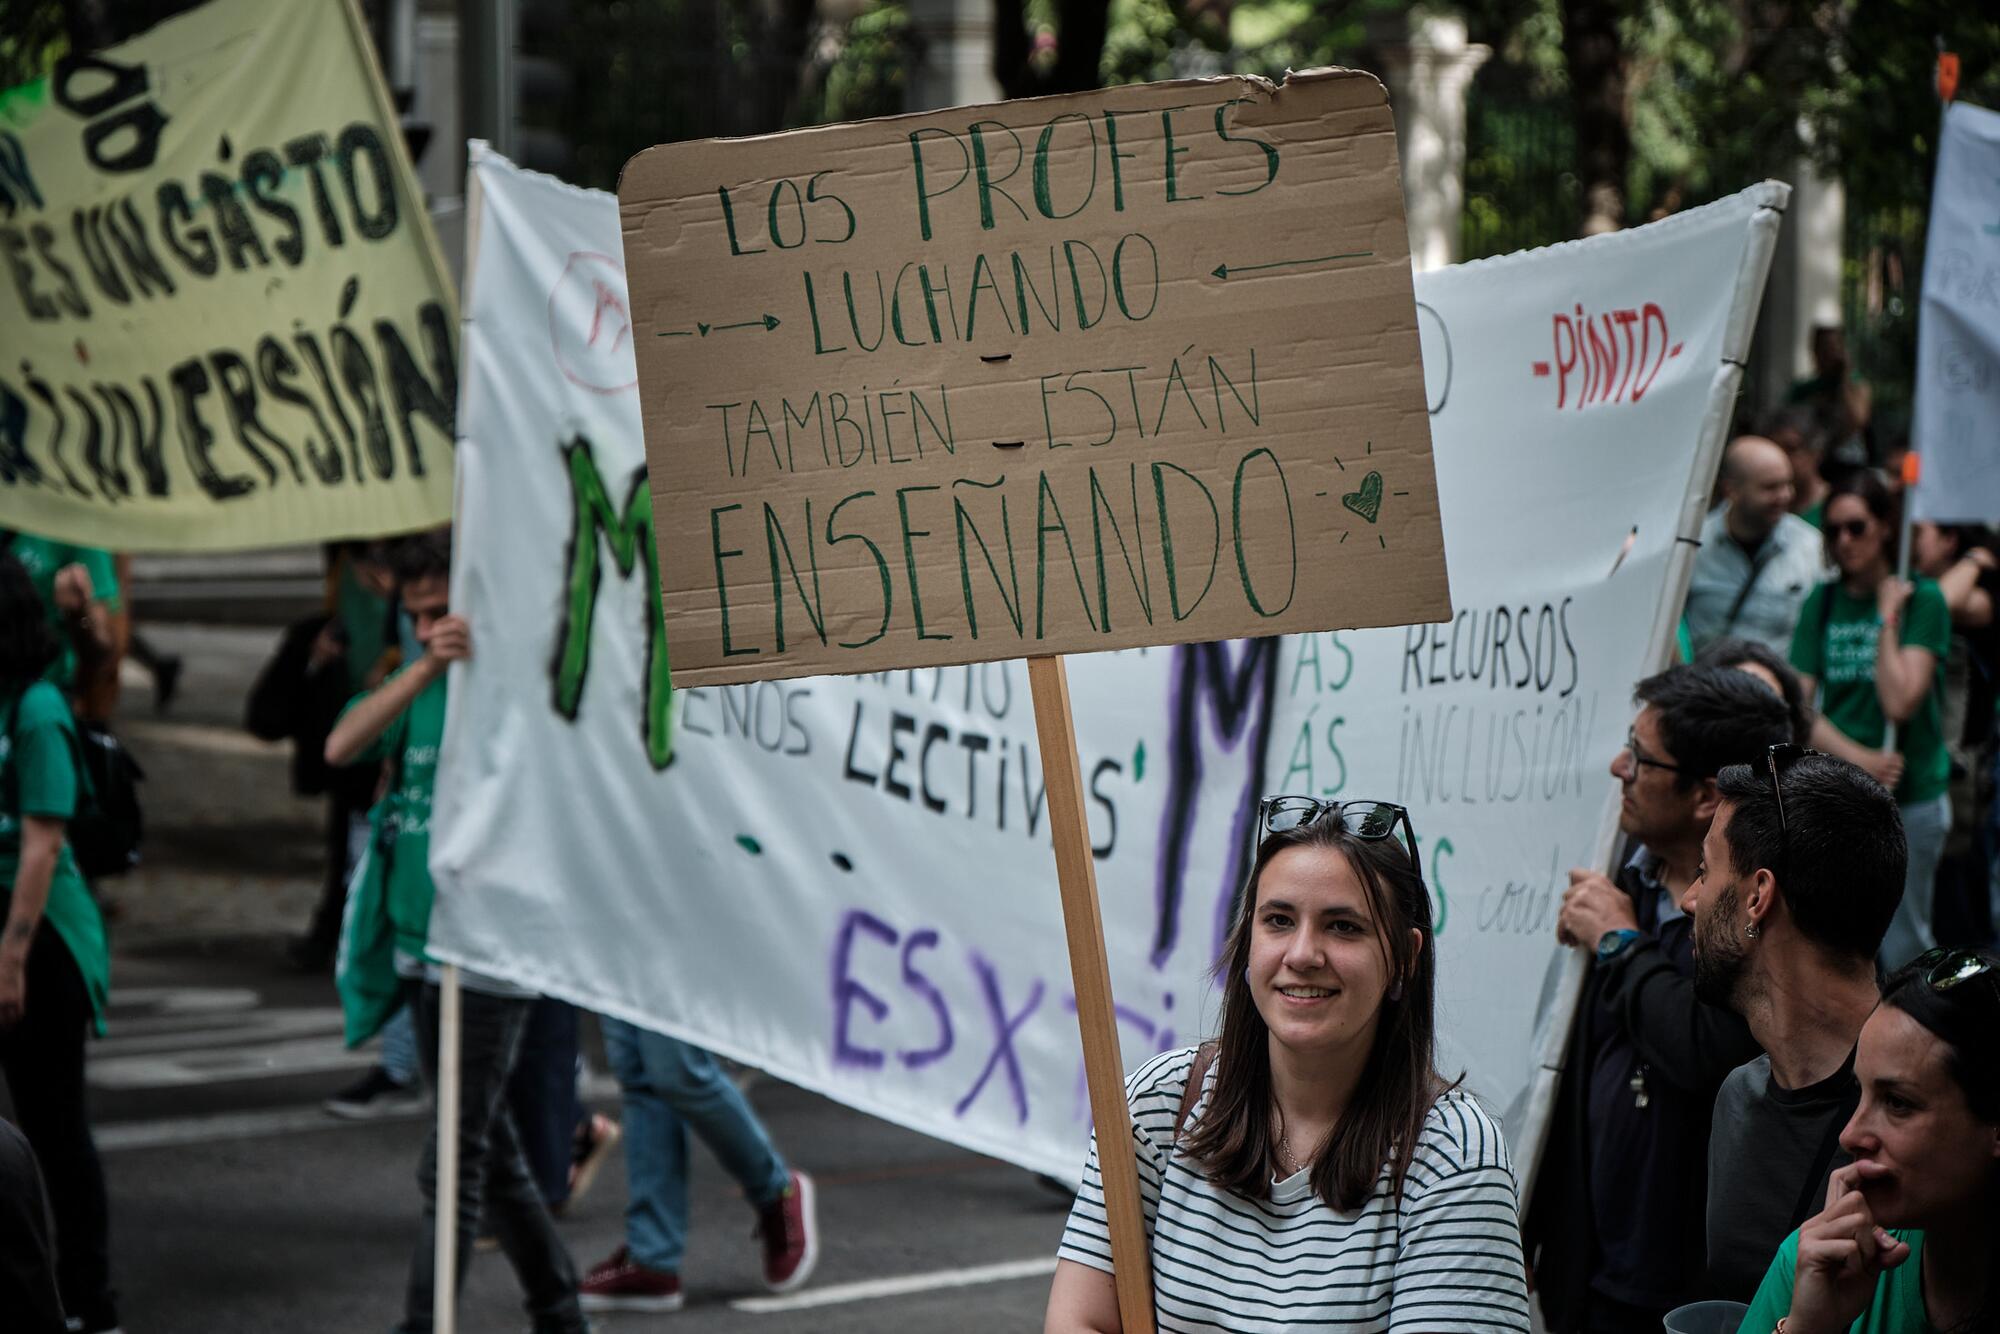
(1758, 560)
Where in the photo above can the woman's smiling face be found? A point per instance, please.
(1319, 966)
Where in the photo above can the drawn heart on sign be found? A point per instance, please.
(1367, 502)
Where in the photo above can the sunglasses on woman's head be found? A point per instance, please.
(1944, 968)
(1365, 820)
(1848, 528)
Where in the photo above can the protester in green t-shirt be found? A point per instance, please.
(402, 722)
(1907, 1240)
(1871, 645)
(78, 588)
(363, 594)
(54, 967)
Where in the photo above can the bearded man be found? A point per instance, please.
(1801, 873)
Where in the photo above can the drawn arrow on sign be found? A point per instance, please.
(676, 333)
(769, 322)
(1224, 272)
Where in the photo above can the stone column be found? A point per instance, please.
(956, 39)
(1803, 290)
(1428, 65)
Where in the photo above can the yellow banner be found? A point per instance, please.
(223, 319)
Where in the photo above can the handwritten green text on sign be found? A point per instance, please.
(1126, 368)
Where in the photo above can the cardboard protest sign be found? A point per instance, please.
(1130, 367)
(225, 321)
(630, 849)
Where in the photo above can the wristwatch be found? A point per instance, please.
(1614, 943)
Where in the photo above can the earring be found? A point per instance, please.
(1751, 932)
(1396, 990)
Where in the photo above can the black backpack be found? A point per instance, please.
(105, 831)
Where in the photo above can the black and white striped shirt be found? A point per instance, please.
(1446, 1257)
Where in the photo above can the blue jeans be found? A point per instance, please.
(1925, 825)
(541, 1094)
(399, 1048)
(669, 1087)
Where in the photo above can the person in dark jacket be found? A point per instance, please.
(27, 1241)
(321, 663)
(1614, 1231)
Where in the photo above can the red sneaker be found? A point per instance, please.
(789, 1227)
(623, 1284)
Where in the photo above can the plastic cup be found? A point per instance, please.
(1706, 1318)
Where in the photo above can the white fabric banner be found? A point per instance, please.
(1957, 423)
(848, 881)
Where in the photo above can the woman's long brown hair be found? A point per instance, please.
(1232, 1142)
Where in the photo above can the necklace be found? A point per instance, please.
(1287, 1160)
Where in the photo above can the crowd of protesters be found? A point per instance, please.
(359, 690)
(1748, 1111)
(1781, 1087)
(1779, 1091)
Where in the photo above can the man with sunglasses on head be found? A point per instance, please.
(1614, 1230)
(1801, 873)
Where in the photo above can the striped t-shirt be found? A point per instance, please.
(1446, 1257)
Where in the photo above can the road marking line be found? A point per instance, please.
(141, 1037)
(226, 1126)
(226, 1065)
(223, 1126)
(183, 1000)
(204, 737)
(876, 1288)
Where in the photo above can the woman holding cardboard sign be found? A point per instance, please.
(1310, 1167)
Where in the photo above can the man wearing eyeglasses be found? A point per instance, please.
(1758, 560)
(1615, 1225)
(1801, 873)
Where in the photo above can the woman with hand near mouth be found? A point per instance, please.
(1310, 1168)
(1909, 1240)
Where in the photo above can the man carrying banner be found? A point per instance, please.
(1614, 1229)
(401, 723)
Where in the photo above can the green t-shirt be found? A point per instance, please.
(1836, 645)
(1896, 1308)
(39, 776)
(43, 558)
(364, 619)
(403, 818)
(1815, 514)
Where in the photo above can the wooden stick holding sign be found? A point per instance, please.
(444, 1259)
(1107, 371)
(1090, 976)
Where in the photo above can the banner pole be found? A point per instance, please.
(444, 1258)
(399, 155)
(1946, 86)
(1912, 462)
(1576, 960)
(1090, 974)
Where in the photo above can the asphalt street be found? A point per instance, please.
(239, 1206)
